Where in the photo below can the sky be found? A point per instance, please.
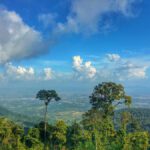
(72, 45)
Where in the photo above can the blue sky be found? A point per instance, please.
(74, 44)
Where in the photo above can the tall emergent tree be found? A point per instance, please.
(107, 96)
(47, 96)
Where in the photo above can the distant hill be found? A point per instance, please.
(21, 119)
(141, 114)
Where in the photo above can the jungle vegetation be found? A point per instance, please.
(101, 128)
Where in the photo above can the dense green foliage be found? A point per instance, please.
(19, 118)
(139, 115)
(107, 96)
(98, 130)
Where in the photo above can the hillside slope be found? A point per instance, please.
(142, 115)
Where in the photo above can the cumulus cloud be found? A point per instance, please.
(19, 72)
(25, 73)
(17, 39)
(121, 70)
(131, 71)
(87, 15)
(126, 68)
(77, 63)
(117, 68)
(83, 70)
(48, 73)
(113, 57)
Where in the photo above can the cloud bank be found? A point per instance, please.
(113, 67)
(126, 69)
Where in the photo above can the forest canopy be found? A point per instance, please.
(100, 128)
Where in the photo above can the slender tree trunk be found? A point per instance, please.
(95, 139)
(45, 126)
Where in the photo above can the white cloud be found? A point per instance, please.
(122, 69)
(17, 39)
(113, 57)
(48, 73)
(77, 63)
(12, 72)
(129, 70)
(125, 6)
(86, 16)
(68, 27)
(19, 72)
(47, 19)
(83, 70)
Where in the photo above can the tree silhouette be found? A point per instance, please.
(47, 96)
